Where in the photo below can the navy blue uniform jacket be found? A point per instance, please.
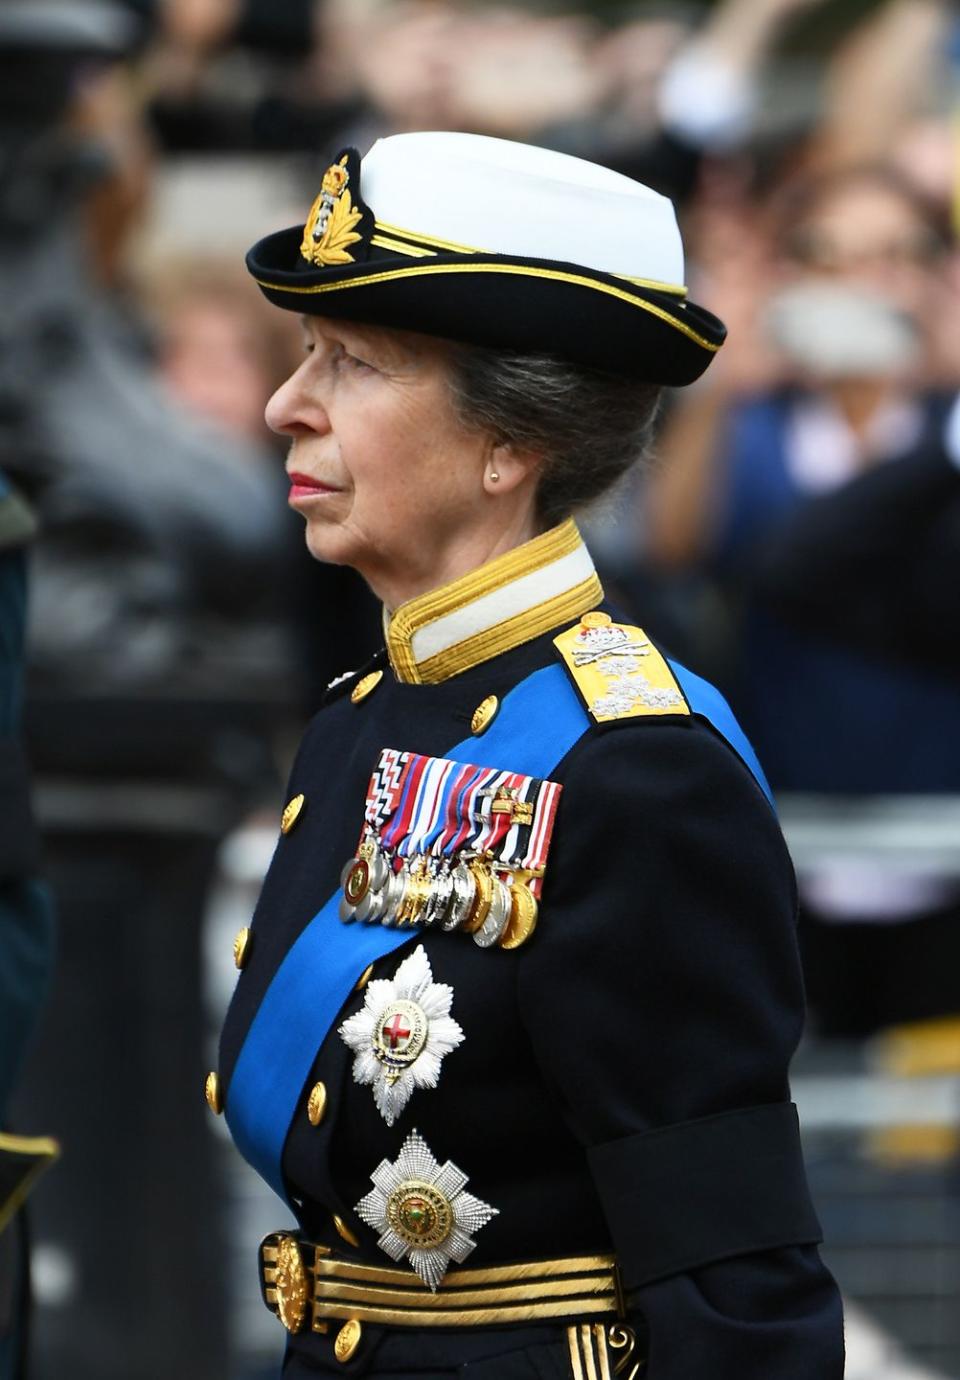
(661, 987)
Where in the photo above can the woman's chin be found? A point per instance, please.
(329, 543)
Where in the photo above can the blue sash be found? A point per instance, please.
(539, 722)
(707, 703)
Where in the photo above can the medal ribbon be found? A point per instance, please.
(484, 836)
(538, 841)
(467, 823)
(398, 825)
(429, 805)
(383, 792)
(446, 815)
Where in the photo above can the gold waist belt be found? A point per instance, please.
(300, 1279)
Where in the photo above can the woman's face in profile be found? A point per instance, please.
(382, 470)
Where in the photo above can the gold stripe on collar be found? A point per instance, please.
(512, 630)
(523, 627)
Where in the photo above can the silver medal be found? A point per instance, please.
(497, 916)
(441, 894)
(464, 892)
(389, 899)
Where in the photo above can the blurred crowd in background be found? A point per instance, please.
(797, 539)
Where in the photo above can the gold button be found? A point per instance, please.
(291, 813)
(484, 714)
(596, 619)
(241, 946)
(365, 687)
(344, 1231)
(348, 1339)
(364, 978)
(317, 1103)
(211, 1091)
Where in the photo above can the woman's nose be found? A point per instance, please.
(293, 412)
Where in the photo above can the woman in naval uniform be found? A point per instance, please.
(516, 1006)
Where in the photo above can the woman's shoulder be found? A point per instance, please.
(654, 727)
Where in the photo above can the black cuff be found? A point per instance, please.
(700, 1191)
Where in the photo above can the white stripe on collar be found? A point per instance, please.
(510, 600)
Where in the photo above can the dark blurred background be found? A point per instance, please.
(798, 540)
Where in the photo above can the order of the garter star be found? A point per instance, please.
(402, 1033)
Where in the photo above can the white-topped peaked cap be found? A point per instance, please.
(498, 244)
(502, 197)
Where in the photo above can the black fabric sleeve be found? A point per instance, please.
(663, 988)
(691, 1194)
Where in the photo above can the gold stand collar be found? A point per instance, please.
(510, 600)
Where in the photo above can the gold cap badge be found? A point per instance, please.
(332, 223)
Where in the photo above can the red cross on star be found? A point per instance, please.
(395, 1030)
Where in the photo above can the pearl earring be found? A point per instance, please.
(494, 476)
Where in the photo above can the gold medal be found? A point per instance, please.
(370, 853)
(357, 882)
(415, 893)
(523, 916)
(478, 912)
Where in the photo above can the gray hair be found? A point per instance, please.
(591, 426)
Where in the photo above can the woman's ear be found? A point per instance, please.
(508, 467)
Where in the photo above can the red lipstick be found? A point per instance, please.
(304, 486)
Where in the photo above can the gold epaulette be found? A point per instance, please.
(618, 672)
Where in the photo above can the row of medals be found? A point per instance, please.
(464, 895)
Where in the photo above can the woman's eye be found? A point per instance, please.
(353, 361)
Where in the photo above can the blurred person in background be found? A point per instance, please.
(219, 352)
(214, 352)
(846, 315)
(650, 92)
(875, 564)
(26, 939)
(160, 670)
